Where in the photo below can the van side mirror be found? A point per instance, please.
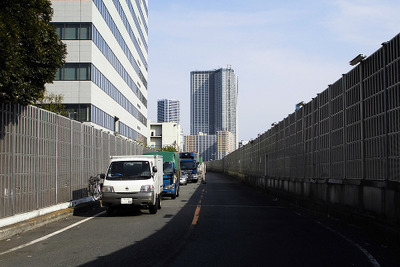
(102, 175)
(154, 169)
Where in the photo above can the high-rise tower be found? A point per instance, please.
(168, 110)
(213, 102)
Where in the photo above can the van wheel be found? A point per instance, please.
(159, 203)
(153, 208)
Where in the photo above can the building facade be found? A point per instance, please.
(213, 102)
(211, 147)
(204, 144)
(166, 134)
(168, 110)
(226, 143)
(104, 80)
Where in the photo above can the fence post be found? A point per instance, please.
(362, 124)
(385, 104)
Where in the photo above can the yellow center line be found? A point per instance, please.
(197, 212)
(196, 215)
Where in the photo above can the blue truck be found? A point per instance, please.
(172, 173)
(189, 164)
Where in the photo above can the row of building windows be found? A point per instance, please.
(128, 132)
(136, 41)
(101, 81)
(141, 14)
(74, 31)
(74, 72)
(88, 72)
(84, 31)
(128, 26)
(145, 7)
(102, 118)
(114, 29)
(88, 112)
(108, 53)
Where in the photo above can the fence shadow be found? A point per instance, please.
(9, 115)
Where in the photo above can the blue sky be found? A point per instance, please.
(283, 52)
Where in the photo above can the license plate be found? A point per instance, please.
(126, 200)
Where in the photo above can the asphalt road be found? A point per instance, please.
(221, 223)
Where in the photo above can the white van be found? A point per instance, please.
(133, 181)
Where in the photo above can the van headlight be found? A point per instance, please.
(147, 188)
(107, 189)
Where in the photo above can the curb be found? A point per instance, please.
(27, 225)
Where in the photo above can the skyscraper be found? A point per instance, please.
(213, 102)
(104, 80)
(168, 110)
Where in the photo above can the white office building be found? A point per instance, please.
(104, 80)
(166, 134)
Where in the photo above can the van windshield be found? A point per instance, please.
(129, 170)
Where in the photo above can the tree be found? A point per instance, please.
(169, 148)
(30, 50)
(53, 103)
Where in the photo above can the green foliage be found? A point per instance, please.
(53, 103)
(169, 148)
(30, 50)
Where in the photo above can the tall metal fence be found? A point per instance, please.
(347, 135)
(47, 159)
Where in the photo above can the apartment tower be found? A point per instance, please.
(213, 102)
(168, 110)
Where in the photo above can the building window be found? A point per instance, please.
(74, 72)
(79, 112)
(74, 31)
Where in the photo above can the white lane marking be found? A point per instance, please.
(371, 258)
(50, 235)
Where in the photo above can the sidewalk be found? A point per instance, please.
(20, 227)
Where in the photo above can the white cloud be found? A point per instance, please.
(365, 22)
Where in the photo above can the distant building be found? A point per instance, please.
(213, 102)
(168, 110)
(213, 113)
(205, 145)
(211, 147)
(104, 79)
(166, 134)
(226, 143)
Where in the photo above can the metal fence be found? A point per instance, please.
(349, 133)
(47, 159)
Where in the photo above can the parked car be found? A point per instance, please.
(183, 180)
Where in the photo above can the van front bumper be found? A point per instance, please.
(133, 198)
